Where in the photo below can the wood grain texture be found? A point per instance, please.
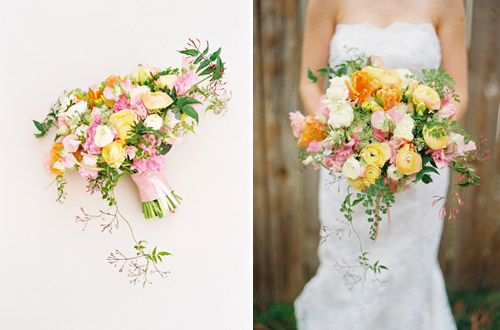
(286, 224)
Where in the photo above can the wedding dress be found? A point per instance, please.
(411, 294)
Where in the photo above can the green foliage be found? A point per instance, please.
(210, 65)
(49, 121)
(376, 198)
(274, 316)
(440, 80)
(345, 68)
(153, 256)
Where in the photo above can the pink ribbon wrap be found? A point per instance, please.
(151, 185)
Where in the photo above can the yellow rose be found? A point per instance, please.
(376, 154)
(357, 184)
(428, 96)
(114, 154)
(166, 80)
(372, 173)
(391, 78)
(156, 100)
(407, 161)
(122, 121)
(433, 142)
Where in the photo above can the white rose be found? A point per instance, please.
(308, 160)
(153, 121)
(402, 74)
(351, 168)
(76, 109)
(337, 92)
(394, 173)
(103, 136)
(341, 116)
(81, 130)
(404, 128)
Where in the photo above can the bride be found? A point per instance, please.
(407, 34)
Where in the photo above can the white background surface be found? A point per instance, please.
(53, 275)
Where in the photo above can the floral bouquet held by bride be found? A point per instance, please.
(384, 129)
(127, 126)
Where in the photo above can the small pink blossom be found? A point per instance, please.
(130, 150)
(378, 118)
(89, 146)
(71, 143)
(380, 135)
(322, 108)
(395, 114)
(185, 82)
(314, 146)
(440, 158)
(394, 144)
(297, 120)
(457, 145)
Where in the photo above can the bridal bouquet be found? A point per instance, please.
(126, 126)
(384, 129)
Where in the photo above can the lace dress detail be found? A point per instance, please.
(412, 295)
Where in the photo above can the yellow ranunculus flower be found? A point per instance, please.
(433, 142)
(428, 96)
(156, 100)
(375, 75)
(357, 183)
(114, 154)
(122, 121)
(391, 78)
(372, 173)
(407, 161)
(376, 154)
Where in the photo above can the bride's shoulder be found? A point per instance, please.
(446, 9)
(329, 7)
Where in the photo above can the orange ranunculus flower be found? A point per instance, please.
(55, 156)
(111, 80)
(94, 95)
(312, 129)
(360, 87)
(389, 96)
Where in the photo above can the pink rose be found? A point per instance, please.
(185, 82)
(448, 110)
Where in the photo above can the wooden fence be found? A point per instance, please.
(286, 225)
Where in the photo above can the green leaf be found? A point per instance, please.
(163, 253)
(203, 65)
(378, 100)
(311, 76)
(187, 100)
(189, 52)
(191, 112)
(38, 125)
(215, 55)
(198, 60)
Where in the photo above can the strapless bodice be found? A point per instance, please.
(402, 45)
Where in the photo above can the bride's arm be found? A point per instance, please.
(319, 28)
(451, 32)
